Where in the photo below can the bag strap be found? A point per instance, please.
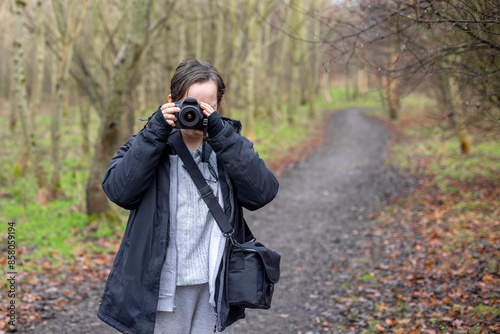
(204, 189)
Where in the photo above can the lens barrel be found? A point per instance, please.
(190, 116)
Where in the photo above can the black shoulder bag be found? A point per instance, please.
(253, 268)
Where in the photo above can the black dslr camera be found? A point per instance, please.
(190, 116)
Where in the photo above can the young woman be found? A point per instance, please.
(166, 274)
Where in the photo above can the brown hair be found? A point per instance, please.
(192, 71)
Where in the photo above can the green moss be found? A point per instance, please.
(486, 310)
(366, 277)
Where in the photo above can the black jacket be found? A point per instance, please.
(138, 180)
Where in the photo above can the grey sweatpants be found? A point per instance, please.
(193, 313)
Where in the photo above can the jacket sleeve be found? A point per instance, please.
(256, 185)
(133, 167)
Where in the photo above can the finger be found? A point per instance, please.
(170, 110)
(168, 105)
(206, 106)
(171, 120)
(207, 109)
(169, 116)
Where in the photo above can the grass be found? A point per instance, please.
(55, 231)
(413, 107)
(283, 136)
(367, 277)
(483, 162)
(486, 310)
(342, 99)
(431, 140)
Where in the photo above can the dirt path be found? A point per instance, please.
(315, 223)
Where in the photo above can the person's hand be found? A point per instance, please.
(215, 124)
(168, 110)
(206, 108)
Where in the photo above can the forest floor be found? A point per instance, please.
(348, 265)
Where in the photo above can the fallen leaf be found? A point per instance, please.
(487, 278)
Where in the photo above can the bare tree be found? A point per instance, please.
(39, 26)
(296, 47)
(456, 37)
(251, 68)
(20, 81)
(314, 57)
(69, 32)
(30, 149)
(125, 68)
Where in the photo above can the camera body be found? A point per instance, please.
(191, 116)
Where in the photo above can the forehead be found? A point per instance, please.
(203, 92)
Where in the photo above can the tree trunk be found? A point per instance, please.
(142, 99)
(347, 82)
(457, 116)
(220, 37)
(448, 98)
(30, 150)
(251, 72)
(283, 81)
(393, 98)
(13, 111)
(363, 79)
(381, 90)
(199, 32)
(295, 52)
(56, 124)
(129, 119)
(109, 135)
(260, 65)
(20, 83)
(233, 65)
(392, 88)
(326, 85)
(5, 69)
(314, 60)
(36, 91)
(84, 109)
(72, 31)
(126, 61)
(271, 78)
(182, 40)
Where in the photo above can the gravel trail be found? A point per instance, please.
(316, 221)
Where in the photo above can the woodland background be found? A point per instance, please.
(75, 76)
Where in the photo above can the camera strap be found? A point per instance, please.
(204, 143)
(204, 189)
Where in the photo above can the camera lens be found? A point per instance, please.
(189, 117)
